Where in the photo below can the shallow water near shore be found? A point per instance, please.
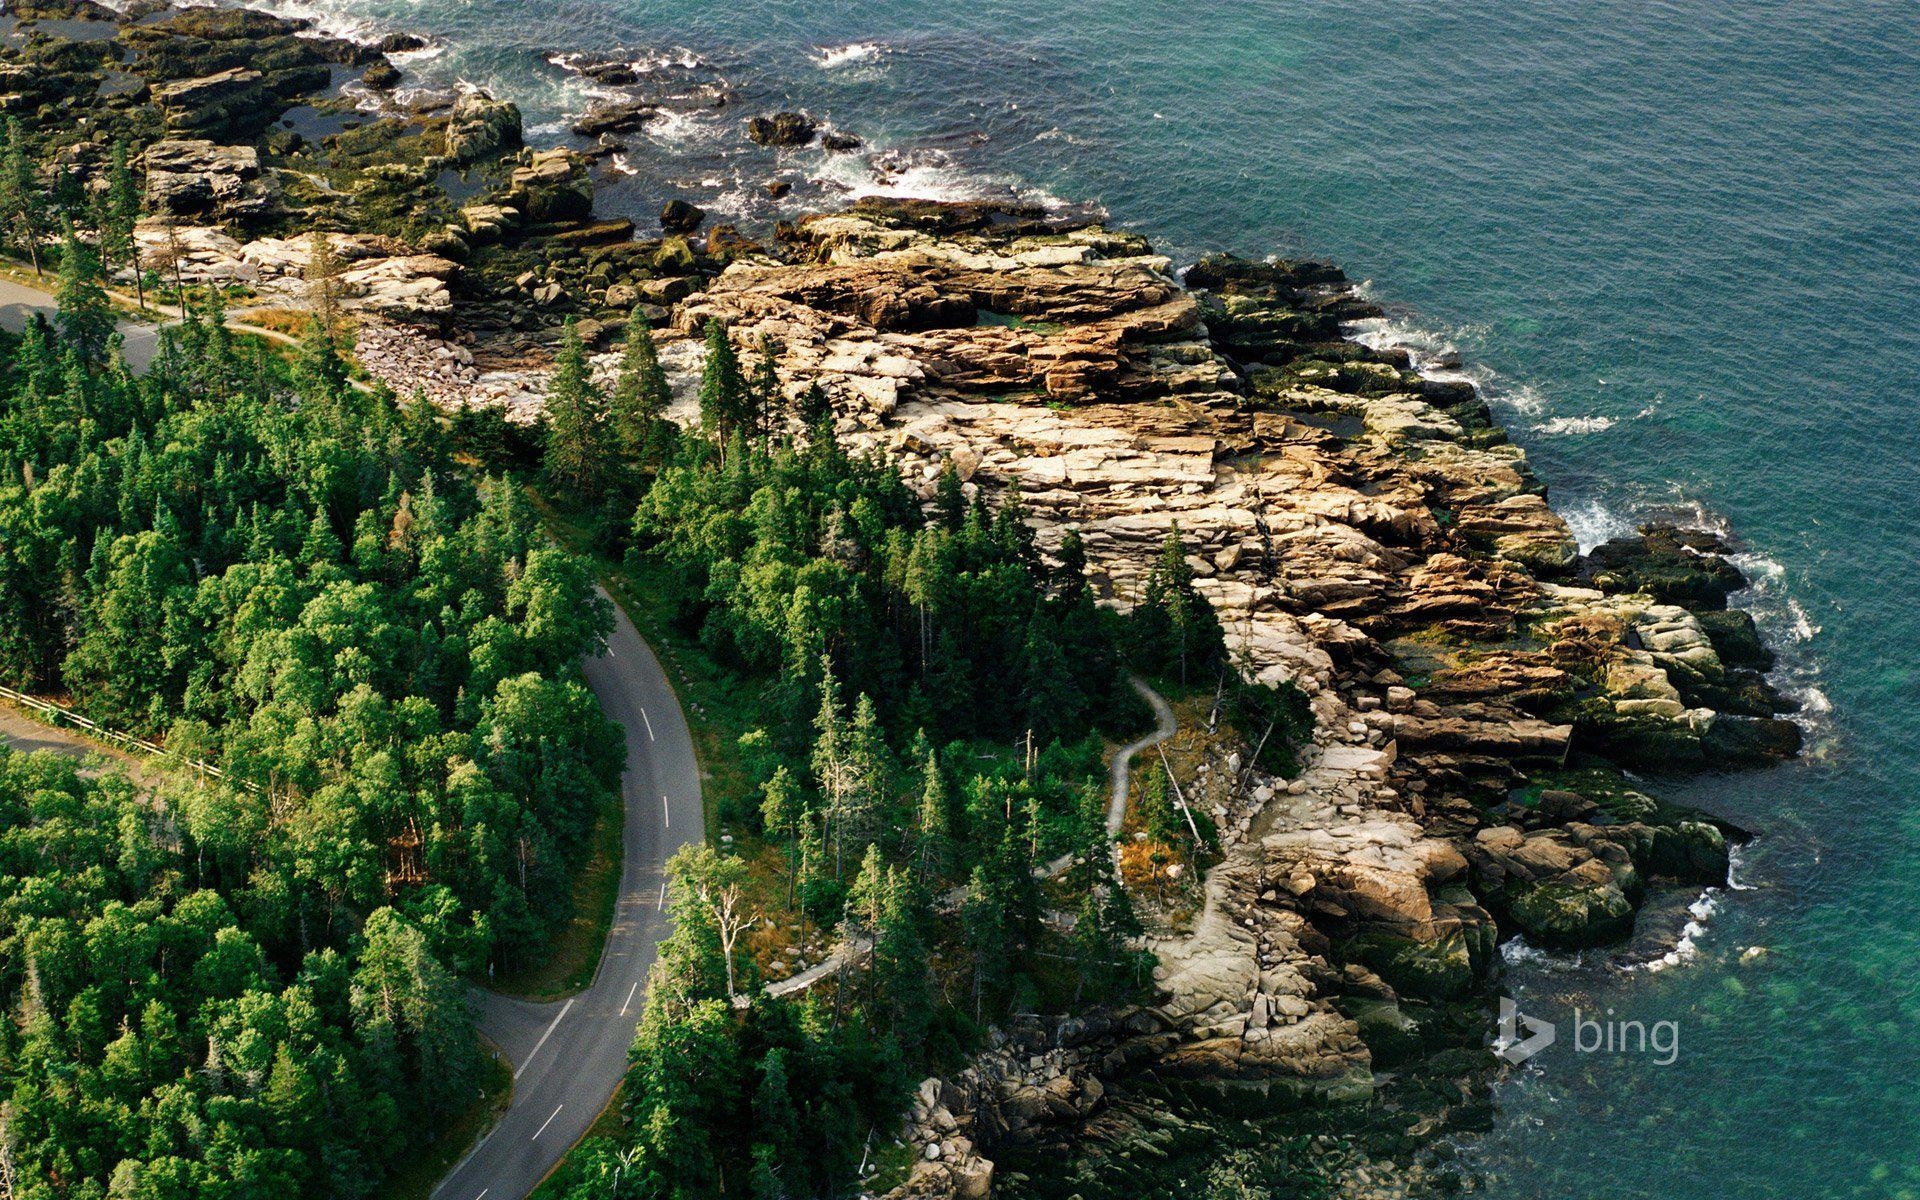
(1677, 244)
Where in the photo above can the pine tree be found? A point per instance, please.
(776, 1127)
(85, 317)
(866, 896)
(781, 811)
(119, 215)
(1173, 627)
(949, 500)
(578, 455)
(902, 980)
(323, 281)
(317, 363)
(723, 390)
(640, 392)
(933, 824)
(23, 207)
(1157, 815)
(764, 392)
(815, 412)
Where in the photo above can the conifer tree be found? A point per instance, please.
(948, 499)
(322, 273)
(120, 213)
(723, 389)
(317, 363)
(23, 207)
(85, 317)
(764, 391)
(640, 392)
(933, 822)
(781, 811)
(578, 454)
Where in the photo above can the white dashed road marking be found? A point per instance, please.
(543, 1041)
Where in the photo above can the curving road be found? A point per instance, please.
(569, 1055)
(140, 341)
(19, 303)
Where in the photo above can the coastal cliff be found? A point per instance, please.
(1370, 536)
(1365, 534)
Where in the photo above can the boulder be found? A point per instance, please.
(190, 177)
(782, 129)
(678, 216)
(480, 127)
(553, 185)
(234, 103)
(624, 117)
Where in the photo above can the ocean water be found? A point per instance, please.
(1678, 242)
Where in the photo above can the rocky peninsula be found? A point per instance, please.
(1486, 699)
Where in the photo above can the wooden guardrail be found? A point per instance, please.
(57, 715)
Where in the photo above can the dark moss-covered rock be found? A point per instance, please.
(1569, 915)
(553, 185)
(1675, 566)
(61, 10)
(1390, 1034)
(1689, 851)
(1442, 968)
(678, 216)
(381, 76)
(237, 104)
(481, 127)
(1743, 742)
(620, 117)
(1656, 744)
(1736, 639)
(782, 129)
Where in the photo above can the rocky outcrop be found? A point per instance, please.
(190, 177)
(1365, 534)
(551, 186)
(480, 127)
(623, 116)
(376, 275)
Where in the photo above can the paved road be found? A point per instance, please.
(18, 303)
(569, 1055)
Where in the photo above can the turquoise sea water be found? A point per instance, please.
(1679, 243)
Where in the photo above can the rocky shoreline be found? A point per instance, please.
(1480, 689)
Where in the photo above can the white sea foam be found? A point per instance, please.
(920, 174)
(1436, 354)
(1687, 948)
(675, 128)
(644, 62)
(1564, 426)
(1518, 951)
(830, 57)
(1592, 523)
